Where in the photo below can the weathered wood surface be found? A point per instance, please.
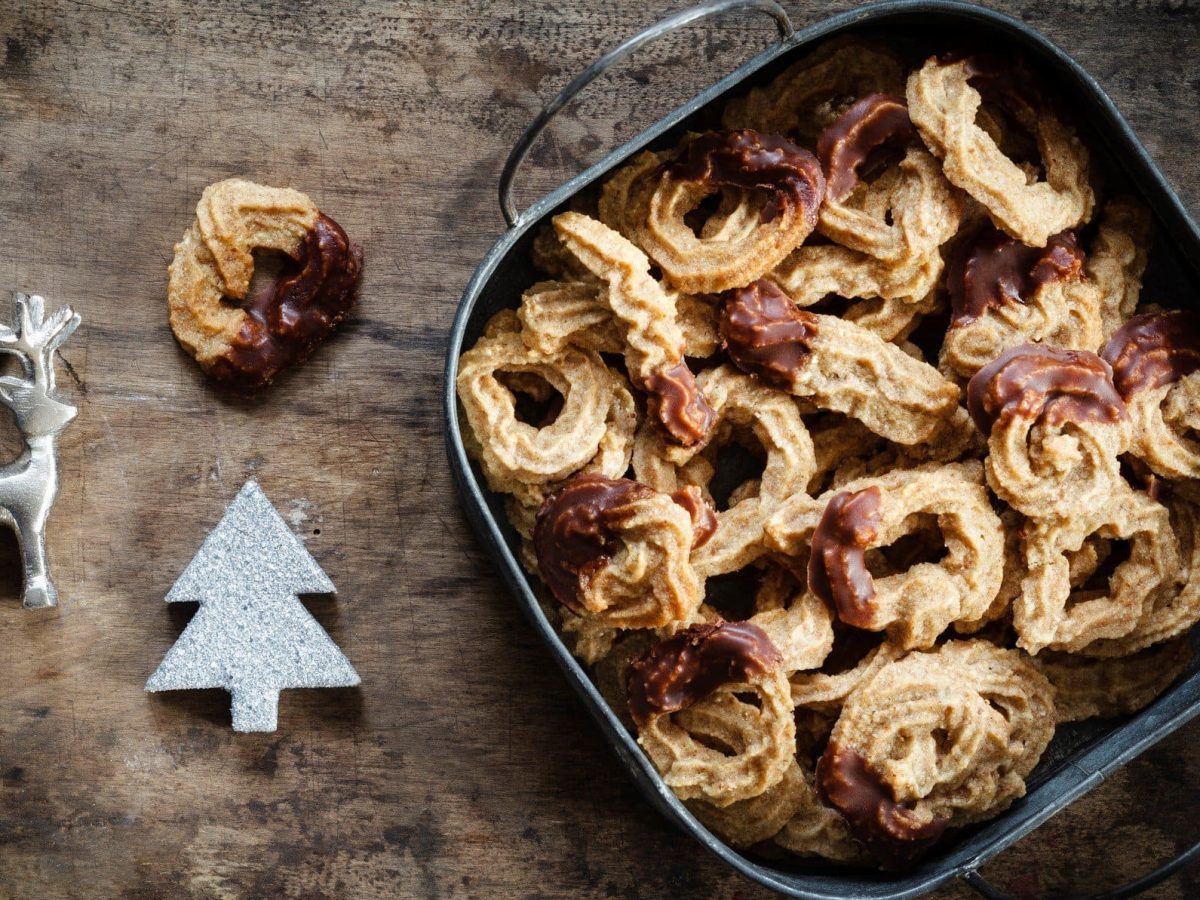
(463, 767)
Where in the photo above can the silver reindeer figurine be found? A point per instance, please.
(29, 484)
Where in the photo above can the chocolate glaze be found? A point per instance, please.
(1050, 384)
(684, 669)
(704, 517)
(674, 399)
(756, 162)
(1152, 350)
(874, 122)
(284, 325)
(837, 567)
(890, 830)
(996, 269)
(574, 536)
(765, 333)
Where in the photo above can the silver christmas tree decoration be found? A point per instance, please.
(29, 484)
(252, 636)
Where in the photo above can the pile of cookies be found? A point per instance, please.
(906, 298)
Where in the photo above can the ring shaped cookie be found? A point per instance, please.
(554, 314)
(806, 97)
(899, 218)
(915, 605)
(854, 655)
(771, 193)
(625, 199)
(836, 365)
(1085, 687)
(684, 697)
(616, 553)
(515, 454)
(1156, 366)
(1004, 293)
(647, 319)
(943, 103)
(611, 461)
(1174, 606)
(742, 406)
(920, 204)
(1055, 425)
(936, 740)
(1053, 612)
(246, 343)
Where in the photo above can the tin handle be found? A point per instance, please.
(583, 79)
(1131, 888)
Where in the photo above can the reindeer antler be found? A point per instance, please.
(35, 337)
(32, 332)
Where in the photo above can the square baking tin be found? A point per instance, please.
(1081, 754)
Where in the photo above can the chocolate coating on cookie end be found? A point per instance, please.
(675, 401)
(756, 162)
(996, 270)
(890, 830)
(875, 122)
(704, 518)
(574, 535)
(1152, 350)
(837, 567)
(765, 333)
(1037, 381)
(283, 326)
(682, 670)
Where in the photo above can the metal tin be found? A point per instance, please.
(1081, 755)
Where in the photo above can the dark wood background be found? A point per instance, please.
(463, 767)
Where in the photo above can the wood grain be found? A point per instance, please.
(462, 767)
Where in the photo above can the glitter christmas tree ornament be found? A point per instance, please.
(251, 635)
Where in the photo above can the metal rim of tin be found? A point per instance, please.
(1078, 773)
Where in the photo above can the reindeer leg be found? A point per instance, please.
(39, 592)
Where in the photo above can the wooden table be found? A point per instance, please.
(463, 767)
